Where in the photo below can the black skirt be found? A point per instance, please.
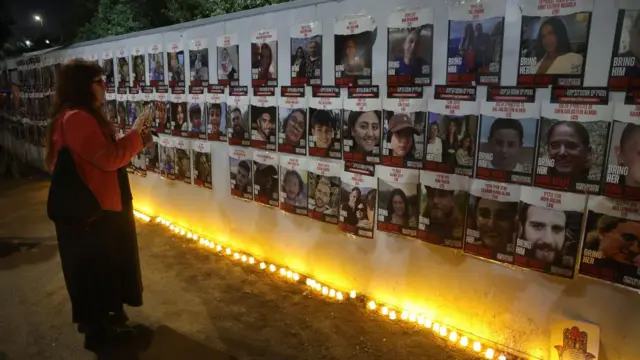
(100, 261)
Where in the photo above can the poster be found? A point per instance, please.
(611, 242)
(265, 178)
(107, 67)
(306, 54)
(123, 68)
(175, 64)
(325, 122)
(197, 123)
(199, 62)
(162, 123)
(167, 157)
(474, 47)
(135, 106)
(324, 190)
(404, 120)
(148, 102)
(294, 184)
(137, 62)
(239, 125)
(264, 58)
(122, 110)
(156, 64)
(625, 66)
(553, 42)
(111, 106)
(492, 220)
(228, 60)
(443, 208)
(292, 110)
(410, 47)
(508, 133)
(215, 113)
(353, 45)
(398, 202)
(362, 125)
(358, 198)
(153, 156)
(622, 176)
(549, 235)
(201, 154)
(573, 140)
(452, 130)
(241, 172)
(183, 159)
(264, 118)
(572, 339)
(179, 120)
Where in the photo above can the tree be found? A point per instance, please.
(179, 11)
(113, 17)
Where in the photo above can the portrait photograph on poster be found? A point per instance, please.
(443, 208)
(122, 104)
(123, 68)
(215, 113)
(492, 220)
(163, 108)
(183, 159)
(167, 157)
(358, 197)
(325, 122)
(508, 133)
(266, 187)
(239, 124)
(403, 132)
(179, 119)
(549, 230)
(199, 62)
(107, 67)
(137, 61)
(228, 60)
(264, 58)
(573, 140)
(110, 108)
(147, 99)
(197, 125)
(294, 184)
(241, 173)
(362, 125)
(264, 118)
(353, 47)
(398, 202)
(610, 244)
(201, 155)
(152, 156)
(292, 111)
(156, 64)
(410, 47)
(175, 63)
(553, 43)
(474, 46)
(625, 63)
(306, 54)
(324, 190)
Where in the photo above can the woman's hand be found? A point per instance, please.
(142, 121)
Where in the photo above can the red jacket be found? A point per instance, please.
(97, 157)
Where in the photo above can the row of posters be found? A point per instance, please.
(554, 38)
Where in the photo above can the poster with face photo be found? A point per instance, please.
(241, 172)
(403, 125)
(410, 47)
(507, 139)
(137, 61)
(123, 68)
(107, 67)
(162, 122)
(324, 190)
(239, 124)
(292, 111)
(611, 242)
(325, 122)
(492, 220)
(443, 208)
(215, 113)
(306, 54)
(197, 123)
(167, 157)
(179, 120)
(362, 125)
(111, 105)
(294, 184)
(549, 230)
(398, 200)
(553, 42)
(625, 66)
(264, 58)
(622, 175)
(358, 197)
(135, 106)
(122, 107)
(152, 156)
(474, 47)
(175, 64)
(264, 118)
(353, 41)
(228, 60)
(199, 62)
(451, 131)
(156, 64)
(573, 140)
(201, 154)
(183, 159)
(266, 187)
(148, 99)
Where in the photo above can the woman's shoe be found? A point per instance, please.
(96, 339)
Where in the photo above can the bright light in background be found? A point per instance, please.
(46, 41)
(37, 17)
(27, 42)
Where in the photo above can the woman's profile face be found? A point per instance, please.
(398, 205)
(629, 156)
(567, 150)
(291, 187)
(549, 39)
(366, 131)
(411, 45)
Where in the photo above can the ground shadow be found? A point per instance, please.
(19, 251)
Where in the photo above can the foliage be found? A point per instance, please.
(187, 10)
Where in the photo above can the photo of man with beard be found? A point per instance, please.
(240, 173)
(443, 215)
(238, 133)
(263, 126)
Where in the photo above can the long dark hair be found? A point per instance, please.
(563, 44)
(73, 91)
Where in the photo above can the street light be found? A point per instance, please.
(27, 42)
(46, 41)
(38, 18)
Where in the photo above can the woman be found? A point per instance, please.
(204, 167)
(410, 63)
(398, 208)
(99, 258)
(363, 222)
(434, 143)
(226, 66)
(464, 155)
(569, 147)
(300, 63)
(371, 205)
(553, 50)
(349, 209)
(293, 189)
(353, 64)
(628, 154)
(175, 68)
(364, 128)
(400, 136)
(180, 124)
(267, 70)
(122, 113)
(294, 126)
(467, 46)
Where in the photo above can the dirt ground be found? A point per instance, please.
(197, 305)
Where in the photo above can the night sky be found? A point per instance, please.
(51, 11)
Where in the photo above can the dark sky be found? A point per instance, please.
(51, 11)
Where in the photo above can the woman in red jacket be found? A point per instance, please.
(99, 258)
